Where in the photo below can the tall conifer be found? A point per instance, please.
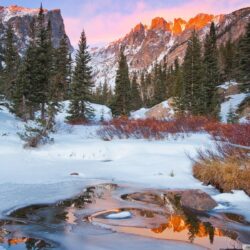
(121, 102)
(82, 84)
(136, 101)
(211, 71)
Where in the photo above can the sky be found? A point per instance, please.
(107, 20)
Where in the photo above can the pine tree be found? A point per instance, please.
(110, 96)
(121, 102)
(193, 100)
(81, 84)
(149, 90)
(62, 67)
(228, 61)
(11, 63)
(105, 93)
(211, 71)
(43, 62)
(135, 100)
(159, 84)
(178, 91)
(232, 117)
(25, 100)
(2, 30)
(143, 89)
(244, 62)
(97, 94)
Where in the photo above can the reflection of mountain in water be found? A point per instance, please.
(195, 228)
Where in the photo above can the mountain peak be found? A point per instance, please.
(199, 21)
(139, 27)
(179, 26)
(17, 9)
(160, 23)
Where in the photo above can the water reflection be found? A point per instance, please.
(25, 243)
(152, 215)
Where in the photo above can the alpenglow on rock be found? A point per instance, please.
(21, 19)
(144, 45)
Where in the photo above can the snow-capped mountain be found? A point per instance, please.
(146, 44)
(21, 19)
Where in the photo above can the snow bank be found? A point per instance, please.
(43, 175)
(227, 85)
(101, 112)
(139, 114)
(237, 202)
(244, 120)
(233, 103)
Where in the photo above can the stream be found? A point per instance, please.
(111, 216)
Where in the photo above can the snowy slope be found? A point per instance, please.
(43, 174)
(233, 103)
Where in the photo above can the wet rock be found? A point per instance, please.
(74, 174)
(146, 197)
(194, 199)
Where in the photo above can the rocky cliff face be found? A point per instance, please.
(145, 45)
(21, 18)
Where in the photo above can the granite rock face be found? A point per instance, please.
(21, 19)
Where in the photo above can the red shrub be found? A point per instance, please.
(78, 121)
(232, 133)
(154, 129)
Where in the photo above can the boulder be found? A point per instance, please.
(162, 111)
(194, 199)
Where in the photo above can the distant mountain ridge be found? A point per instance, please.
(144, 45)
(21, 18)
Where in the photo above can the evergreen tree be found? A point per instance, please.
(149, 90)
(24, 101)
(244, 62)
(178, 91)
(97, 94)
(110, 96)
(143, 88)
(135, 100)
(62, 66)
(105, 93)
(11, 63)
(228, 61)
(178, 81)
(159, 84)
(211, 71)
(193, 72)
(81, 84)
(2, 30)
(42, 63)
(232, 117)
(121, 102)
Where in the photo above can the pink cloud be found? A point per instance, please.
(107, 27)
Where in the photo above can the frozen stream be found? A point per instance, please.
(43, 176)
(108, 216)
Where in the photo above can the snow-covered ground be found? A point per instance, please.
(232, 102)
(29, 176)
(227, 85)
